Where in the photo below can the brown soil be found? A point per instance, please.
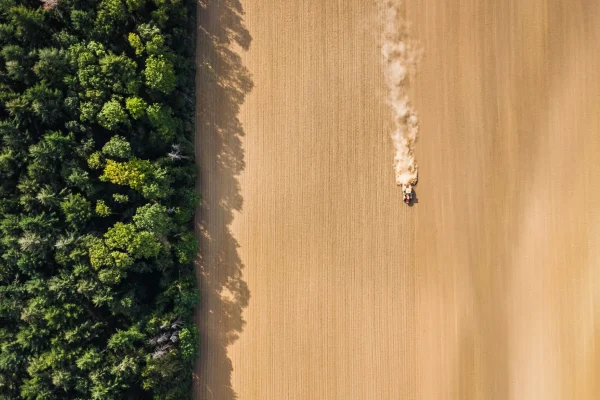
(319, 283)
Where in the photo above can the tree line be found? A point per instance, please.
(97, 199)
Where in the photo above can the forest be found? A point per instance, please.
(97, 199)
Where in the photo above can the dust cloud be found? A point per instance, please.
(401, 54)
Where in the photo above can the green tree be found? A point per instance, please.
(148, 30)
(153, 218)
(186, 248)
(39, 101)
(161, 118)
(138, 244)
(112, 115)
(52, 65)
(134, 5)
(117, 147)
(134, 173)
(111, 14)
(95, 161)
(136, 107)
(28, 24)
(136, 43)
(121, 72)
(14, 62)
(88, 111)
(120, 198)
(156, 45)
(96, 245)
(189, 343)
(102, 209)
(81, 20)
(126, 340)
(160, 74)
(76, 208)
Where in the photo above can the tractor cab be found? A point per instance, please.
(407, 193)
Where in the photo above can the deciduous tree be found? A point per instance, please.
(160, 74)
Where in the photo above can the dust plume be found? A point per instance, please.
(401, 55)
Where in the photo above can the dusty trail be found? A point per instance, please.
(400, 55)
(318, 283)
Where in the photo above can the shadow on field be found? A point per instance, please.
(222, 83)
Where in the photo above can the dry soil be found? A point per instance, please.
(319, 283)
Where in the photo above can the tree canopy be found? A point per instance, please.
(97, 284)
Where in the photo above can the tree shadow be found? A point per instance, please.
(222, 83)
